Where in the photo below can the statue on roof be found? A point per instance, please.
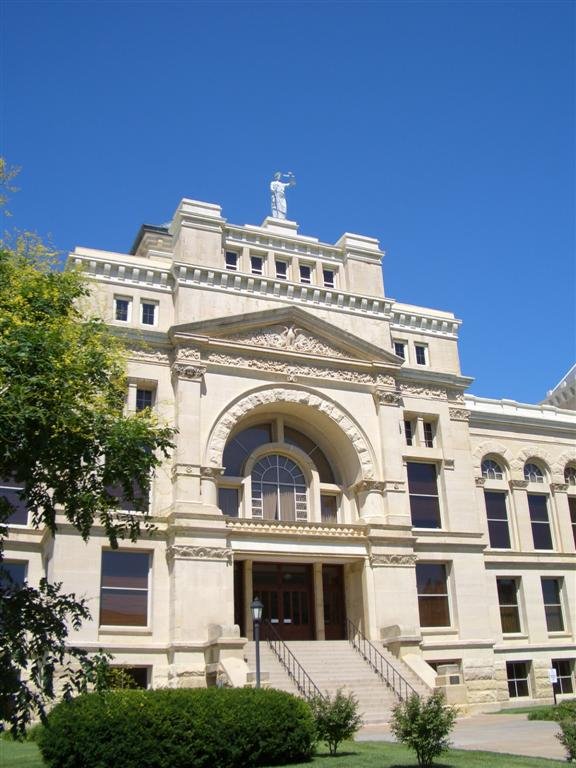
(278, 190)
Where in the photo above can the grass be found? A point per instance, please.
(366, 754)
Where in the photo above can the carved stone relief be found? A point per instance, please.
(186, 371)
(187, 552)
(558, 487)
(187, 354)
(383, 397)
(289, 338)
(148, 355)
(403, 561)
(435, 393)
(459, 414)
(518, 484)
(480, 481)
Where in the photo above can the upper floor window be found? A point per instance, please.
(497, 516)
(508, 601)
(305, 273)
(570, 475)
(144, 399)
(124, 589)
(328, 276)
(491, 470)
(572, 508)
(421, 352)
(428, 434)
(231, 259)
(533, 473)
(432, 586)
(122, 308)
(256, 264)
(281, 270)
(400, 349)
(409, 431)
(149, 309)
(541, 533)
(13, 573)
(423, 490)
(278, 489)
(11, 492)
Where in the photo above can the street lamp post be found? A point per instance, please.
(256, 607)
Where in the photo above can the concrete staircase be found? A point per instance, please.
(334, 664)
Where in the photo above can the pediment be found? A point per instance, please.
(288, 331)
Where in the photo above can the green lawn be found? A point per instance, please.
(366, 754)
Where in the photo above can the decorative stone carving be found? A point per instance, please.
(532, 452)
(459, 414)
(148, 355)
(289, 338)
(558, 487)
(182, 469)
(383, 397)
(403, 561)
(518, 484)
(185, 371)
(434, 393)
(298, 529)
(455, 395)
(369, 485)
(188, 353)
(480, 482)
(565, 458)
(211, 472)
(449, 464)
(187, 552)
(235, 413)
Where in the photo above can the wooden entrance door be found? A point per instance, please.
(287, 594)
(334, 610)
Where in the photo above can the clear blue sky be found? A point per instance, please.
(445, 129)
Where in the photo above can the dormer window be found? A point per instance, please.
(232, 261)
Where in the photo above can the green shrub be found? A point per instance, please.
(567, 737)
(565, 709)
(336, 719)
(424, 725)
(200, 728)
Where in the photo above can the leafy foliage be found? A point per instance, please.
(567, 736)
(228, 728)
(65, 440)
(336, 718)
(424, 726)
(562, 711)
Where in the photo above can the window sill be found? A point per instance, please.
(107, 630)
(514, 636)
(430, 631)
(558, 635)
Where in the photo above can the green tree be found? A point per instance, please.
(424, 725)
(66, 440)
(336, 718)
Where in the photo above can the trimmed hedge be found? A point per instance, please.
(185, 728)
(565, 710)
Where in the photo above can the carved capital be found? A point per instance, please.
(480, 482)
(366, 486)
(558, 487)
(402, 561)
(211, 473)
(384, 397)
(186, 371)
(459, 414)
(187, 552)
(182, 469)
(186, 354)
(518, 484)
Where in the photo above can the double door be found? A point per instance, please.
(287, 595)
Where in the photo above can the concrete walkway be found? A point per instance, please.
(514, 734)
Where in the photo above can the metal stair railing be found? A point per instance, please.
(306, 686)
(379, 663)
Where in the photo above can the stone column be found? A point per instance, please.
(388, 405)
(209, 487)
(248, 597)
(561, 511)
(132, 387)
(188, 376)
(319, 602)
(521, 515)
(370, 499)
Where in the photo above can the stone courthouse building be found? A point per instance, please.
(328, 460)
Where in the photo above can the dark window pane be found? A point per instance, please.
(554, 620)
(125, 569)
(124, 607)
(139, 675)
(572, 507)
(329, 508)
(143, 399)
(510, 619)
(294, 437)
(551, 591)
(281, 269)
(495, 505)
(431, 578)
(434, 611)
(499, 534)
(228, 501)
(256, 265)
(538, 508)
(425, 511)
(148, 314)
(422, 478)
(328, 275)
(507, 591)
(122, 306)
(542, 536)
(420, 354)
(16, 573)
(399, 349)
(11, 492)
(240, 447)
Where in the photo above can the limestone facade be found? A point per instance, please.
(406, 511)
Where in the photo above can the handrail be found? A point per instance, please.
(379, 663)
(306, 686)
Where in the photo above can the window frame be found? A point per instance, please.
(255, 270)
(493, 523)
(489, 472)
(303, 266)
(149, 303)
(404, 344)
(515, 679)
(21, 510)
(445, 596)
(423, 348)
(128, 299)
(135, 626)
(559, 582)
(540, 524)
(231, 260)
(532, 476)
(278, 272)
(436, 496)
(148, 390)
(558, 686)
(328, 282)
(516, 605)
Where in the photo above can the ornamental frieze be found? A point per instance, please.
(434, 393)
(402, 561)
(366, 486)
(186, 371)
(148, 355)
(187, 353)
(518, 484)
(187, 552)
(290, 338)
(558, 487)
(383, 397)
(459, 414)
(480, 482)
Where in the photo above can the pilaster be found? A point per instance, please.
(522, 514)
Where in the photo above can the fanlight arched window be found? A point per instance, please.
(570, 474)
(278, 489)
(492, 470)
(533, 473)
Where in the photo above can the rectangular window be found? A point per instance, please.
(409, 432)
(144, 399)
(328, 275)
(122, 309)
(517, 673)
(231, 261)
(140, 676)
(508, 600)
(256, 265)
(428, 434)
(572, 508)
(421, 356)
(148, 313)
(424, 501)
(281, 270)
(10, 491)
(329, 508)
(564, 673)
(540, 523)
(228, 501)
(124, 589)
(432, 595)
(305, 273)
(497, 516)
(16, 571)
(551, 593)
(400, 349)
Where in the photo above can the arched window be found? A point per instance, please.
(491, 470)
(278, 489)
(570, 474)
(533, 473)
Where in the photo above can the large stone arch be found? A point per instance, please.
(532, 452)
(238, 410)
(568, 457)
(490, 448)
